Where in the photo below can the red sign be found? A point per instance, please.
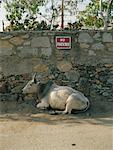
(63, 42)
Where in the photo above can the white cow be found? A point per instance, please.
(57, 97)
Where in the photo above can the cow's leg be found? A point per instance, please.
(68, 108)
(42, 105)
(75, 102)
(70, 104)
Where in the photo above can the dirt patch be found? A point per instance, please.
(23, 126)
(46, 132)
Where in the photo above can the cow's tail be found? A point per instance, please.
(82, 110)
(87, 107)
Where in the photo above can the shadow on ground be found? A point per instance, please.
(98, 114)
(46, 118)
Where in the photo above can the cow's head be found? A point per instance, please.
(31, 86)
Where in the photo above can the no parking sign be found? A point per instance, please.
(63, 42)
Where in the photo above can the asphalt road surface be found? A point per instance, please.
(50, 132)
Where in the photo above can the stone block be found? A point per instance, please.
(5, 45)
(46, 52)
(25, 52)
(107, 37)
(6, 52)
(6, 37)
(16, 66)
(98, 46)
(16, 41)
(26, 36)
(5, 48)
(85, 38)
(40, 42)
(84, 45)
(27, 43)
(109, 46)
(97, 35)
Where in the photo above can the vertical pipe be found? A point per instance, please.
(62, 15)
(52, 6)
(3, 28)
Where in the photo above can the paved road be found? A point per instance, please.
(46, 132)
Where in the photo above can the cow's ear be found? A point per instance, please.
(35, 81)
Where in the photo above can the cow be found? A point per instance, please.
(62, 98)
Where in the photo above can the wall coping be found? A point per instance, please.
(58, 31)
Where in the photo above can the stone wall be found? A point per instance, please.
(87, 66)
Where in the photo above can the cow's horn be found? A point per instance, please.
(34, 78)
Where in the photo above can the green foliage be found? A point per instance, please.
(22, 14)
(93, 15)
(90, 15)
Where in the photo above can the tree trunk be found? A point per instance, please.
(106, 18)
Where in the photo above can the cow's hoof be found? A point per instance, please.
(42, 108)
(64, 112)
(53, 113)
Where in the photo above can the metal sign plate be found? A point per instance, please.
(63, 42)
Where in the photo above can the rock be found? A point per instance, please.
(3, 87)
(40, 68)
(8, 97)
(17, 89)
(83, 85)
(1, 76)
(105, 94)
(109, 46)
(110, 100)
(73, 75)
(110, 80)
(64, 66)
(92, 53)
